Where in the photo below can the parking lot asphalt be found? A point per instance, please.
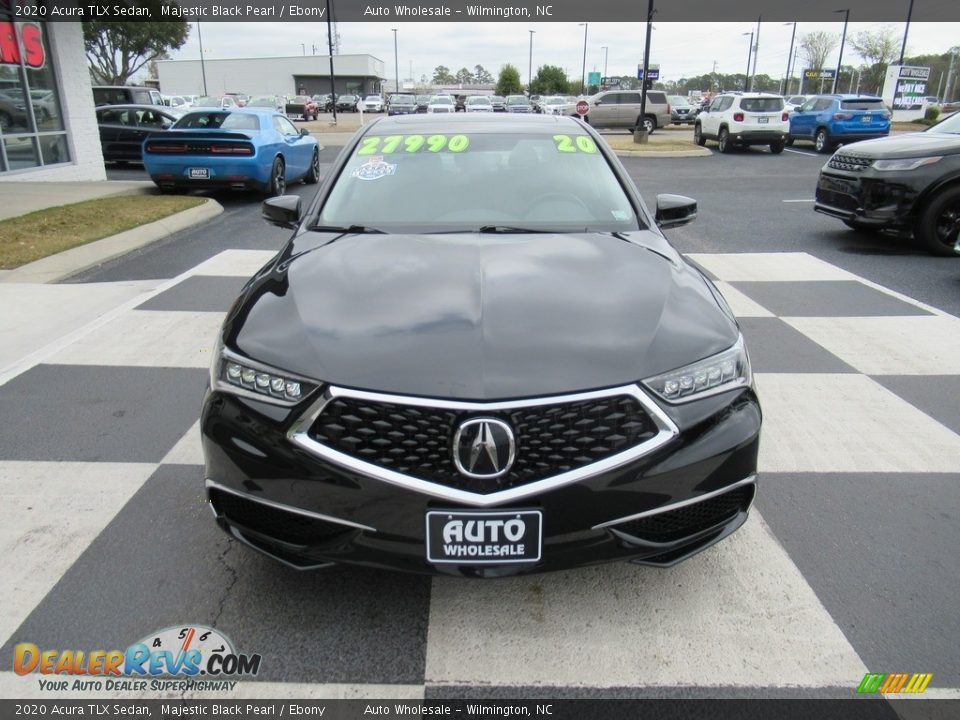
(847, 565)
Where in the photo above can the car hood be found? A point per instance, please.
(480, 317)
(905, 145)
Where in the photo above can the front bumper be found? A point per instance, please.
(308, 511)
(872, 198)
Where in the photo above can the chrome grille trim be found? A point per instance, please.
(298, 434)
(681, 504)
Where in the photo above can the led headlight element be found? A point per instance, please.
(903, 164)
(724, 371)
(241, 376)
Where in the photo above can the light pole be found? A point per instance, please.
(606, 52)
(203, 68)
(846, 19)
(583, 72)
(756, 52)
(333, 85)
(793, 34)
(396, 63)
(530, 67)
(746, 76)
(903, 48)
(303, 46)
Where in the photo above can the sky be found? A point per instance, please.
(681, 49)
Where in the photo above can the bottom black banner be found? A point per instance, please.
(580, 709)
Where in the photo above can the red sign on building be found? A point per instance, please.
(31, 40)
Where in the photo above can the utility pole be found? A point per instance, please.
(203, 68)
(333, 86)
(793, 34)
(530, 66)
(646, 73)
(396, 63)
(906, 30)
(746, 77)
(606, 52)
(846, 19)
(948, 88)
(583, 75)
(756, 51)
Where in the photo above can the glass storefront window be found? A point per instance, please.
(32, 133)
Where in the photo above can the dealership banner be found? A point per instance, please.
(475, 10)
(275, 709)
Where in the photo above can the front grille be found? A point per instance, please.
(850, 163)
(686, 521)
(418, 441)
(840, 201)
(285, 526)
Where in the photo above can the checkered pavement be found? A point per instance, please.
(105, 537)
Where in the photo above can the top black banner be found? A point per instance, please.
(522, 11)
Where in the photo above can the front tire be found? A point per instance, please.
(698, 137)
(789, 142)
(723, 142)
(821, 141)
(939, 222)
(278, 179)
(313, 177)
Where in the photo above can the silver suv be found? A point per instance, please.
(621, 108)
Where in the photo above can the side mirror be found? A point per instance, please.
(674, 210)
(304, 132)
(598, 102)
(282, 211)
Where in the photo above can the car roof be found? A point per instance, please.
(239, 110)
(135, 106)
(479, 123)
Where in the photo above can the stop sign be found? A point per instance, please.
(583, 107)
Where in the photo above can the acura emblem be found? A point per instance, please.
(483, 448)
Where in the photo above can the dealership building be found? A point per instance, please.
(297, 75)
(54, 136)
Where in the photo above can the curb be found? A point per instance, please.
(69, 262)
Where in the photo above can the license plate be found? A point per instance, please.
(294, 116)
(199, 173)
(866, 118)
(763, 120)
(484, 538)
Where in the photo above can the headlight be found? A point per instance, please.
(905, 163)
(724, 371)
(241, 376)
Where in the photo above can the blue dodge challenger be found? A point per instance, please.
(238, 149)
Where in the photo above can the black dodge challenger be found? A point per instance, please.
(478, 355)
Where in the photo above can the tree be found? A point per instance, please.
(550, 80)
(153, 70)
(464, 77)
(442, 76)
(878, 49)
(481, 75)
(509, 81)
(815, 48)
(116, 51)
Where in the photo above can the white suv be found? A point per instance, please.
(744, 119)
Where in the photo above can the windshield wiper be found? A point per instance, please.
(510, 229)
(348, 229)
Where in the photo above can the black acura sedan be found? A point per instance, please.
(908, 183)
(478, 355)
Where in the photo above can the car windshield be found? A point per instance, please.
(950, 125)
(423, 98)
(218, 121)
(497, 99)
(208, 102)
(772, 104)
(463, 182)
(348, 98)
(477, 101)
(372, 98)
(552, 101)
(441, 100)
(678, 100)
(516, 100)
(402, 99)
(862, 104)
